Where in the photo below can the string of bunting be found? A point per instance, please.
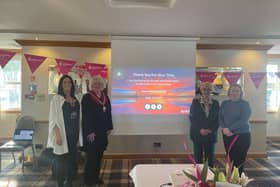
(233, 77)
(63, 66)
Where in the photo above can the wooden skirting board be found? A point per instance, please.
(274, 138)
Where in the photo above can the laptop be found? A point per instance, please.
(23, 135)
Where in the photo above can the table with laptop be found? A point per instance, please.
(21, 138)
(161, 175)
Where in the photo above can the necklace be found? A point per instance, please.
(100, 101)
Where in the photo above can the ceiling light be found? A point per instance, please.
(141, 3)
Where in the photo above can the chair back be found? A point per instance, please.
(24, 125)
(25, 122)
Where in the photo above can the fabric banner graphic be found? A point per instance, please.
(206, 76)
(5, 57)
(257, 78)
(34, 61)
(64, 66)
(232, 77)
(95, 69)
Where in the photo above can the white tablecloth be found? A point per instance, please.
(154, 175)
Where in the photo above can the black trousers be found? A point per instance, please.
(66, 167)
(239, 150)
(92, 167)
(207, 148)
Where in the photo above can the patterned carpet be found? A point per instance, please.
(266, 172)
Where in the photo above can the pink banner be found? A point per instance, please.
(257, 78)
(34, 61)
(5, 57)
(95, 69)
(64, 66)
(206, 76)
(232, 77)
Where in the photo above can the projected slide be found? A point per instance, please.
(152, 91)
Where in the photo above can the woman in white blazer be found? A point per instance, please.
(65, 131)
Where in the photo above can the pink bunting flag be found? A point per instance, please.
(206, 76)
(64, 66)
(34, 61)
(104, 73)
(95, 69)
(5, 57)
(257, 78)
(81, 70)
(278, 74)
(232, 77)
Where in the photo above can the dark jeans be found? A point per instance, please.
(208, 150)
(92, 167)
(66, 168)
(239, 150)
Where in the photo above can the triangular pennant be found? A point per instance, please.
(81, 70)
(94, 69)
(278, 74)
(257, 77)
(64, 66)
(34, 61)
(232, 77)
(206, 76)
(104, 73)
(5, 57)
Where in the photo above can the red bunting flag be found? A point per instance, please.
(206, 76)
(34, 61)
(232, 77)
(95, 69)
(64, 66)
(5, 57)
(257, 78)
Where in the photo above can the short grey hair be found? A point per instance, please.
(98, 79)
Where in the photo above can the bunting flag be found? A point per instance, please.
(104, 73)
(64, 66)
(232, 77)
(206, 76)
(81, 69)
(34, 61)
(5, 57)
(278, 74)
(95, 69)
(257, 77)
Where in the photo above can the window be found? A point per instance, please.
(273, 87)
(10, 84)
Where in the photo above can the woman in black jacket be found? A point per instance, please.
(97, 125)
(204, 124)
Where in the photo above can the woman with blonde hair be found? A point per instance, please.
(204, 124)
(234, 120)
(97, 125)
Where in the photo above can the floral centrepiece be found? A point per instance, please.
(210, 178)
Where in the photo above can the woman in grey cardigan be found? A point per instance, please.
(234, 120)
(204, 124)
